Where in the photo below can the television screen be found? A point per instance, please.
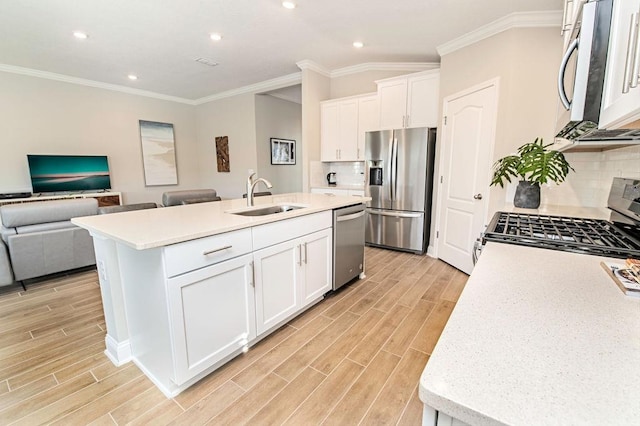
(63, 173)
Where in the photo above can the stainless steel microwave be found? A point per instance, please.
(582, 71)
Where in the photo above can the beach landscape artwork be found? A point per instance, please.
(158, 153)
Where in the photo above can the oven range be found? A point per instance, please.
(618, 238)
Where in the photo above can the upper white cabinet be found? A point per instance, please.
(621, 97)
(339, 130)
(572, 10)
(368, 120)
(409, 101)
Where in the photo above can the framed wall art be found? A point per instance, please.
(283, 151)
(158, 153)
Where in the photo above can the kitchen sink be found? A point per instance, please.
(265, 211)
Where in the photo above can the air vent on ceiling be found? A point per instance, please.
(206, 61)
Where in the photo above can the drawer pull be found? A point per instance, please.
(208, 252)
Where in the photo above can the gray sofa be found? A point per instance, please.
(40, 239)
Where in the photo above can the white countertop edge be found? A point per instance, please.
(151, 228)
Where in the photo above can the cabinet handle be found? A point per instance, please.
(305, 253)
(358, 156)
(631, 53)
(636, 62)
(252, 278)
(336, 154)
(208, 252)
(407, 123)
(300, 255)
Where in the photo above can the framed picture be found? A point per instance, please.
(283, 151)
(158, 153)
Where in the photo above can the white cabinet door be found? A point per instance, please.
(422, 101)
(212, 315)
(393, 103)
(329, 131)
(621, 97)
(316, 261)
(368, 120)
(409, 101)
(277, 272)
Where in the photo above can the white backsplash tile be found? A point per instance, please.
(347, 173)
(589, 185)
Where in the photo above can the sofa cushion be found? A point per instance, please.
(42, 253)
(14, 215)
(40, 227)
(175, 198)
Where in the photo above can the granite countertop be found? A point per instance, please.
(144, 229)
(538, 337)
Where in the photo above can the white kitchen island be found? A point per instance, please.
(538, 337)
(187, 288)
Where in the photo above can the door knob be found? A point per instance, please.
(478, 197)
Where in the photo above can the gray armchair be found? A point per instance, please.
(6, 273)
(191, 196)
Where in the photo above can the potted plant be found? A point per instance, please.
(534, 164)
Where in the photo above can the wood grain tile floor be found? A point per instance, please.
(354, 358)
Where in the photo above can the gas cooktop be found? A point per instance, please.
(588, 236)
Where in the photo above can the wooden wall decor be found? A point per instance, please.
(222, 153)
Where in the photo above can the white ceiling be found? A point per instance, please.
(158, 40)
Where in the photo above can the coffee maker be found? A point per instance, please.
(331, 179)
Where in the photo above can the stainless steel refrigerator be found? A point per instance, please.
(399, 180)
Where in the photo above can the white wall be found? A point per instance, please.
(315, 89)
(234, 117)
(360, 83)
(277, 118)
(49, 117)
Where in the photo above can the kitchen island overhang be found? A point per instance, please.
(147, 259)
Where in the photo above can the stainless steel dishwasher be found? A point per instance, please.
(348, 244)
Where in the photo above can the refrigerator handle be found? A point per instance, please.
(391, 165)
(394, 171)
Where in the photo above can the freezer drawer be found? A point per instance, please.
(348, 243)
(395, 229)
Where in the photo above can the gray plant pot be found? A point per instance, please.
(527, 195)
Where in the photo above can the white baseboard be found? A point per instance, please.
(118, 352)
(432, 252)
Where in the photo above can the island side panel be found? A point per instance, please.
(118, 348)
(146, 305)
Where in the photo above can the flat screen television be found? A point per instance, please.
(69, 173)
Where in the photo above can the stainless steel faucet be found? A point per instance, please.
(251, 184)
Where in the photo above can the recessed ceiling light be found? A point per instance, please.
(132, 77)
(358, 44)
(80, 35)
(289, 4)
(216, 37)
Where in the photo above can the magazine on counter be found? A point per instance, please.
(624, 277)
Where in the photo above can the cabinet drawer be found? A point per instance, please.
(195, 254)
(277, 232)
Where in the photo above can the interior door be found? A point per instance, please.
(468, 138)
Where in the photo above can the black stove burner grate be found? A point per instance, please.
(589, 236)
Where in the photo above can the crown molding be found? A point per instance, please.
(551, 18)
(90, 83)
(384, 66)
(308, 64)
(273, 84)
